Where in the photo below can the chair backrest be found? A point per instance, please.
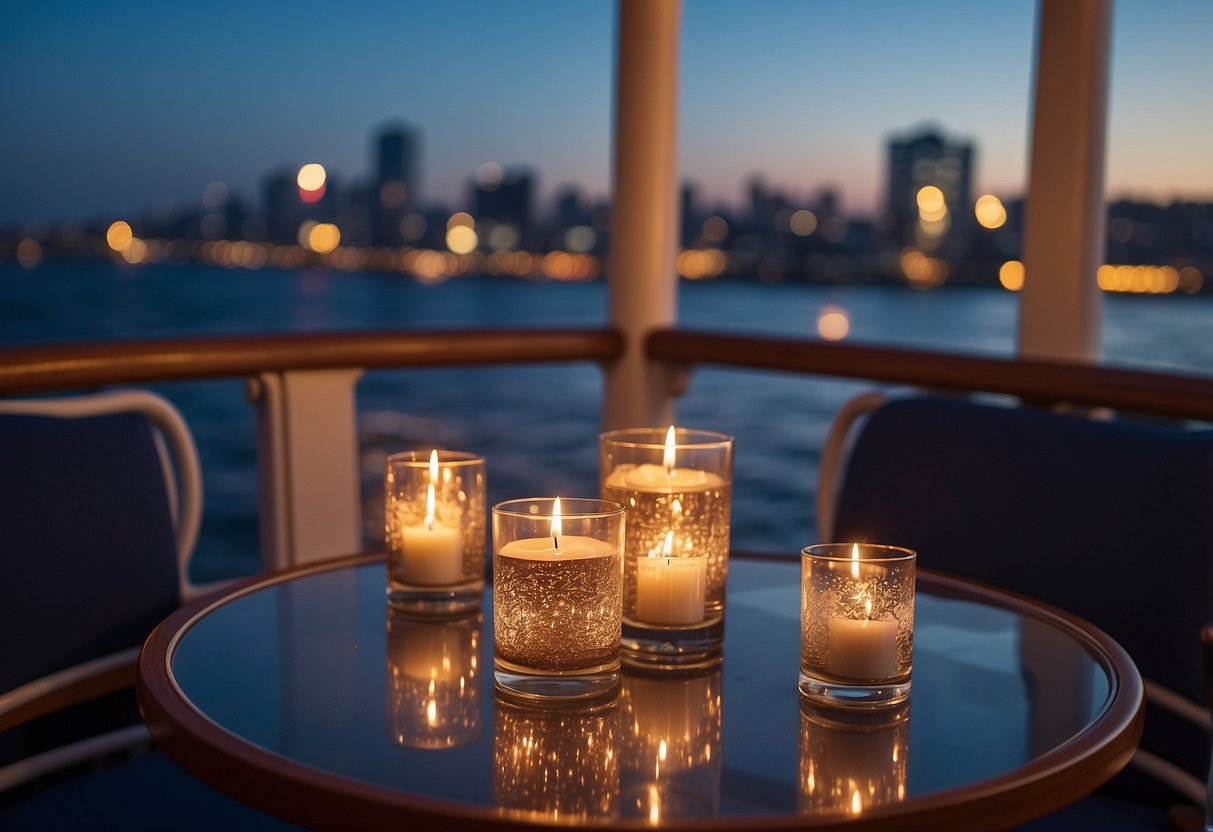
(90, 556)
(1110, 520)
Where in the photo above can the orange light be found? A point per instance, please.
(990, 212)
(1011, 275)
(119, 235)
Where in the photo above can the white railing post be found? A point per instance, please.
(307, 459)
(1063, 243)
(643, 283)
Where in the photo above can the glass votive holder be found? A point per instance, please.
(856, 623)
(852, 760)
(434, 515)
(556, 597)
(677, 484)
(671, 754)
(433, 680)
(556, 762)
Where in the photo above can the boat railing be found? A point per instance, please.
(303, 386)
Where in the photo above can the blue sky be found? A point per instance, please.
(111, 107)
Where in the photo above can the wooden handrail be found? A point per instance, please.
(1045, 382)
(35, 369)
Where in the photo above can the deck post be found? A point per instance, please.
(307, 460)
(1063, 246)
(643, 282)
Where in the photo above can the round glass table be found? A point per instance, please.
(301, 694)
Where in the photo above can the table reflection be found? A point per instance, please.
(851, 762)
(433, 680)
(556, 761)
(671, 758)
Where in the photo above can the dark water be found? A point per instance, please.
(537, 426)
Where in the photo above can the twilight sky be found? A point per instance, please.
(111, 107)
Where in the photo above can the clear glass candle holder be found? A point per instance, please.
(434, 514)
(852, 761)
(671, 757)
(677, 485)
(856, 623)
(556, 762)
(557, 597)
(433, 680)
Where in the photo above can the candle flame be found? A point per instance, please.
(556, 524)
(429, 506)
(434, 465)
(668, 546)
(667, 458)
(855, 561)
(856, 804)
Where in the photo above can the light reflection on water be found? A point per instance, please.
(538, 426)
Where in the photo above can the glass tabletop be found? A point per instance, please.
(315, 669)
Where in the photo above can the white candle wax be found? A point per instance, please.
(670, 590)
(431, 555)
(572, 547)
(649, 477)
(862, 649)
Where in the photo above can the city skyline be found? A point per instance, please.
(117, 109)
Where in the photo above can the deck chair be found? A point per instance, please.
(100, 503)
(1110, 520)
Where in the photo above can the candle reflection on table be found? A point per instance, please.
(671, 744)
(433, 680)
(556, 761)
(852, 761)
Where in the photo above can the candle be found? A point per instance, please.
(862, 649)
(557, 597)
(856, 623)
(433, 552)
(664, 478)
(673, 480)
(435, 531)
(670, 590)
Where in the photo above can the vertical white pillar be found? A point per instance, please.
(307, 457)
(1064, 225)
(644, 216)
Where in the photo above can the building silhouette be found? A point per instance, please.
(396, 188)
(922, 159)
(507, 201)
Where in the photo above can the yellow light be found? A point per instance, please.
(311, 177)
(855, 561)
(557, 526)
(119, 235)
(667, 457)
(461, 239)
(990, 212)
(833, 324)
(803, 222)
(1011, 275)
(460, 218)
(323, 238)
(930, 201)
(135, 251)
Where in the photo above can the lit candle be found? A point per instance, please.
(862, 648)
(670, 590)
(433, 552)
(664, 478)
(558, 547)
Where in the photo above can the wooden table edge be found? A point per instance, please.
(322, 800)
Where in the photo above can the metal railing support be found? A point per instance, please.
(307, 461)
(643, 286)
(1064, 227)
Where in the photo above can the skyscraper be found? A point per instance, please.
(397, 180)
(507, 201)
(927, 159)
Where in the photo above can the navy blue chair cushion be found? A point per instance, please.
(147, 793)
(87, 550)
(1110, 520)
